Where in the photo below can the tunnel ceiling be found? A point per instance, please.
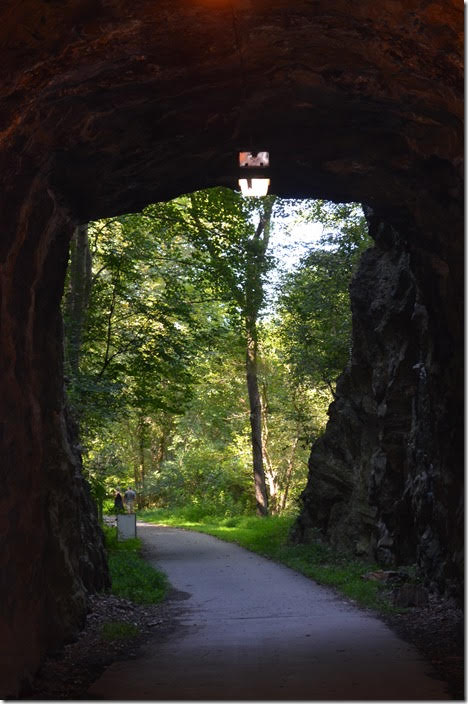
(107, 105)
(120, 103)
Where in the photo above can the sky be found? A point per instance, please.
(289, 242)
(290, 246)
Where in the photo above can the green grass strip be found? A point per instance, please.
(132, 577)
(118, 630)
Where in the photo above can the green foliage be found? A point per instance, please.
(113, 544)
(145, 320)
(203, 478)
(207, 460)
(294, 416)
(98, 491)
(270, 537)
(314, 309)
(224, 228)
(132, 578)
(118, 630)
(160, 388)
(108, 508)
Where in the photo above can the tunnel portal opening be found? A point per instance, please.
(105, 110)
(169, 311)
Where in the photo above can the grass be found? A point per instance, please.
(132, 577)
(118, 630)
(269, 537)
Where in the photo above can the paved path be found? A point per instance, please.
(251, 629)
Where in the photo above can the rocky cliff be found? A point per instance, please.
(379, 483)
(52, 548)
(108, 105)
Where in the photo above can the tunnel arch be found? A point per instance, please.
(108, 106)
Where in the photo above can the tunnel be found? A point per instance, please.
(108, 105)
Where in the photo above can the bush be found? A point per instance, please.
(207, 479)
(108, 507)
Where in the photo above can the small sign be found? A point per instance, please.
(126, 526)
(251, 160)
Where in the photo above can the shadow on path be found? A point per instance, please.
(248, 628)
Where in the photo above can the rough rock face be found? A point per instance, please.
(378, 484)
(52, 549)
(107, 105)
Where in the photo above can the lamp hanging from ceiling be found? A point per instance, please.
(256, 181)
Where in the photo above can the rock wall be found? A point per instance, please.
(384, 480)
(52, 549)
(106, 106)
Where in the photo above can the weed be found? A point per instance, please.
(132, 578)
(113, 544)
(118, 630)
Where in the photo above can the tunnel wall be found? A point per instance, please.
(52, 548)
(385, 479)
(108, 106)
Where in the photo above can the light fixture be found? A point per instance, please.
(254, 186)
(256, 164)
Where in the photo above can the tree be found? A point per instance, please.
(238, 254)
(177, 370)
(314, 306)
(293, 416)
(135, 322)
(208, 462)
(140, 329)
(76, 300)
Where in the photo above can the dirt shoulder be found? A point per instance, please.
(438, 632)
(68, 673)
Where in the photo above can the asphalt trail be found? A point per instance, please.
(248, 629)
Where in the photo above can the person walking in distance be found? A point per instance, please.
(129, 497)
(118, 504)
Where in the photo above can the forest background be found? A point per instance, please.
(203, 344)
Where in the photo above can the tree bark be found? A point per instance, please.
(255, 263)
(140, 469)
(270, 474)
(289, 474)
(261, 495)
(160, 443)
(76, 303)
(249, 297)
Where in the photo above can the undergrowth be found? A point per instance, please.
(118, 630)
(270, 537)
(131, 576)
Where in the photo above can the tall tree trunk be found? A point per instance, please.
(254, 296)
(161, 442)
(77, 298)
(261, 495)
(249, 298)
(289, 474)
(140, 469)
(270, 474)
